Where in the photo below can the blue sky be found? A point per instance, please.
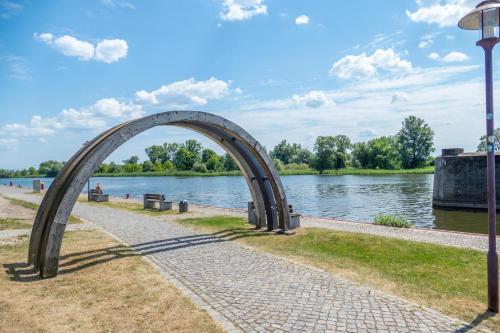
(281, 69)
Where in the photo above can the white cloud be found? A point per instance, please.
(302, 20)
(118, 4)
(313, 99)
(18, 68)
(7, 144)
(109, 111)
(430, 93)
(45, 37)
(366, 66)
(399, 97)
(16, 130)
(111, 50)
(9, 9)
(367, 133)
(455, 57)
(433, 56)
(95, 117)
(424, 44)
(107, 50)
(185, 93)
(240, 10)
(443, 13)
(70, 46)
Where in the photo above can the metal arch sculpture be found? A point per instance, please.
(265, 186)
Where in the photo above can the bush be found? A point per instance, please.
(199, 167)
(168, 165)
(296, 166)
(278, 164)
(391, 221)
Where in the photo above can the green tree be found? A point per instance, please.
(50, 168)
(384, 152)
(32, 171)
(199, 167)
(482, 141)
(132, 160)
(158, 167)
(184, 159)
(342, 156)
(132, 167)
(284, 151)
(147, 166)
(156, 153)
(228, 164)
(331, 152)
(168, 165)
(291, 153)
(103, 168)
(361, 155)
(214, 163)
(278, 164)
(114, 168)
(194, 147)
(325, 148)
(415, 141)
(207, 154)
(170, 151)
(304, 156)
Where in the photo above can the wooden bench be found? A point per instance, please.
(150, 201)
(98, 196)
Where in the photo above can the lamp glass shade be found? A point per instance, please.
(489, 23)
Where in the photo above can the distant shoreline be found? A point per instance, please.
(340, 172)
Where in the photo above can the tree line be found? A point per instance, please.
(410, 148)
(187, 156)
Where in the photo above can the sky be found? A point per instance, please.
(281, 69)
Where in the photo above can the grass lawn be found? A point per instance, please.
(32, 206)
(448, 279)
(10, 223)
(131, 206)
(102, 286)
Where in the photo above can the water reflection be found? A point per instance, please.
(467, 221)
(351, 198)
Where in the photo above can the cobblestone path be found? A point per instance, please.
(255, 292)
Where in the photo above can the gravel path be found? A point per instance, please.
(255, 292)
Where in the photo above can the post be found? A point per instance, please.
(487, 46)
(88, 189)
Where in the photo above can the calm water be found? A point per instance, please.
(352, 198)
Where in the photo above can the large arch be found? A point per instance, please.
(258, 170)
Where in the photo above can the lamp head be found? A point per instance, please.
(485, 17)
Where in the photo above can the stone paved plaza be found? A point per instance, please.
(250, 291)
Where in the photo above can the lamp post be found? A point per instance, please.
(486, 17)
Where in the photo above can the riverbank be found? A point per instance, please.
(305, 172)
(448, 279)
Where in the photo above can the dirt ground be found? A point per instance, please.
(102, 286)
(9, 210)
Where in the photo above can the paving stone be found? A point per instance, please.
(257, 292)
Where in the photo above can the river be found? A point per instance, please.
(350, 198)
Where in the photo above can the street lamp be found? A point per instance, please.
(486, 17)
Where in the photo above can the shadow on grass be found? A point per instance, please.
(76, 261)
(476, 321)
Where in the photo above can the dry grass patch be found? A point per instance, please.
(34, 207)
(102, 286)
(8, 224)
(131, 206)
